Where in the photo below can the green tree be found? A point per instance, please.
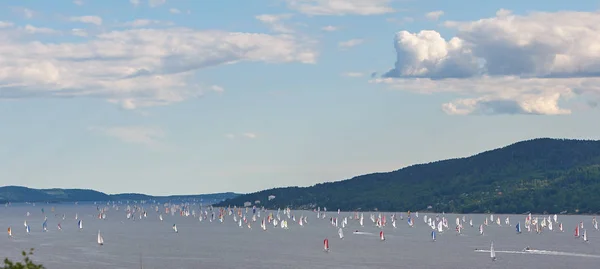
(27, 263)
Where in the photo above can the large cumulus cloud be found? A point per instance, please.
(505, 64)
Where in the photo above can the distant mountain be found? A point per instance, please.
(18, 194)
(539, 175)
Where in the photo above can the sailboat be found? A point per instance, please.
(326, 245)
(27, 229)
(9, 232)
(433, 236)
(175, 228)
(576, 234)
(80, 224)
(585, 239)
(518, 227)
(100, 239)
(381, 236)
(341, 233)
(492, 252)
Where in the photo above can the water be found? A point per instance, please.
(224, 245)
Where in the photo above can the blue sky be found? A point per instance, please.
(178, 97)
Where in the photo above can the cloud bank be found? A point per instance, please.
(131, 67)
(507, 64)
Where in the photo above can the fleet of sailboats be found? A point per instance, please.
(439, 223)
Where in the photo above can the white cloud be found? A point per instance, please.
(275, 22)
(135, 2)
(78, 2)
(136, 67)
(28, 13)
(501, 94)
(341, 7)
(156, 3)
(6, 24)
(350, 43)
(329, 28)
(39, 30)
(25, 12)
(175, 11)
(244, 135)
(503, 12)
(145, 22)
(505, 64)
(147, 136)
(353, 74)
(79, 32)
(434, 15)
(217, 88)
(88, 19)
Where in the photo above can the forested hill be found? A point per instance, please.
(18, 194)
(539, 175)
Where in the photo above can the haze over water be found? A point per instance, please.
(225, 245)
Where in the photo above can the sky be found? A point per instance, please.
(187, 97)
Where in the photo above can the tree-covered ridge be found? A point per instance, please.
(539, 175)
(18, 194)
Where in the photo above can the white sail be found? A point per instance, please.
(100, 239)
(341, 233)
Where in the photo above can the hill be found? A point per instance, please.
(17, 194)
(205, 198)
(539, 175)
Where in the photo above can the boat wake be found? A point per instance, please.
(363, 233)
(542, 252)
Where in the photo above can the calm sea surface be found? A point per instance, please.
(225, 245)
